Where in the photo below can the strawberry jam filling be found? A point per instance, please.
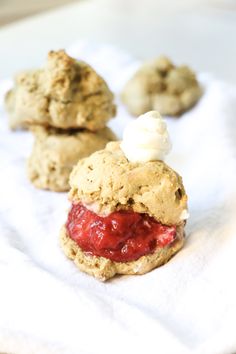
(121, 236)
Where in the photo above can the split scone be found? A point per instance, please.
(65, 94)
(128, 207)
(162, 86)
(56, 151)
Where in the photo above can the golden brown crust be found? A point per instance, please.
(55, 152)
(104, 269)
(64, 94)
(160, 85)
(107, 181)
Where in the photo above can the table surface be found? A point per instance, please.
(193, 32)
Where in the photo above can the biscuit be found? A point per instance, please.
(162, 86)
(104, 269)
(65, 94)
(55, 152)
(106, 181)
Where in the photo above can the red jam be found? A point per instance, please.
(121, 236)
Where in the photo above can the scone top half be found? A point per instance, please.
(65, 94)
(106, 182)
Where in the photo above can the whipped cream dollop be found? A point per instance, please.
(146, 138)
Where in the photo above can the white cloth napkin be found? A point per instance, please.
(187, 306)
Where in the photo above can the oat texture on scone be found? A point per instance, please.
(106, 181)
(65, 94)
(162, 86)
(104, 269)
(56, 151)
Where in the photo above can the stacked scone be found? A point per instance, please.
(129, 208)
(66, 104)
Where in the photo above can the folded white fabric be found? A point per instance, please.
(186, 306)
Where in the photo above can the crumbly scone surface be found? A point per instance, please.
(160, 85)
(104, 269)
(66, 93)
(55, 152)
(106, 181)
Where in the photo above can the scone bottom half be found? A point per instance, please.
(125, 218)
(55, 152)
(65, 93)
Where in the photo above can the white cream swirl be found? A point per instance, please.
(146, 138)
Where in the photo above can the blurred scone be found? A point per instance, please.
(65, 94)
(56, 151)
(162, 86)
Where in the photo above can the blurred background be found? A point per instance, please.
(200, 33)
(12, 10)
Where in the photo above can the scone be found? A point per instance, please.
(56, 151)
(162, 86)
(65, 94)
(128, 207)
